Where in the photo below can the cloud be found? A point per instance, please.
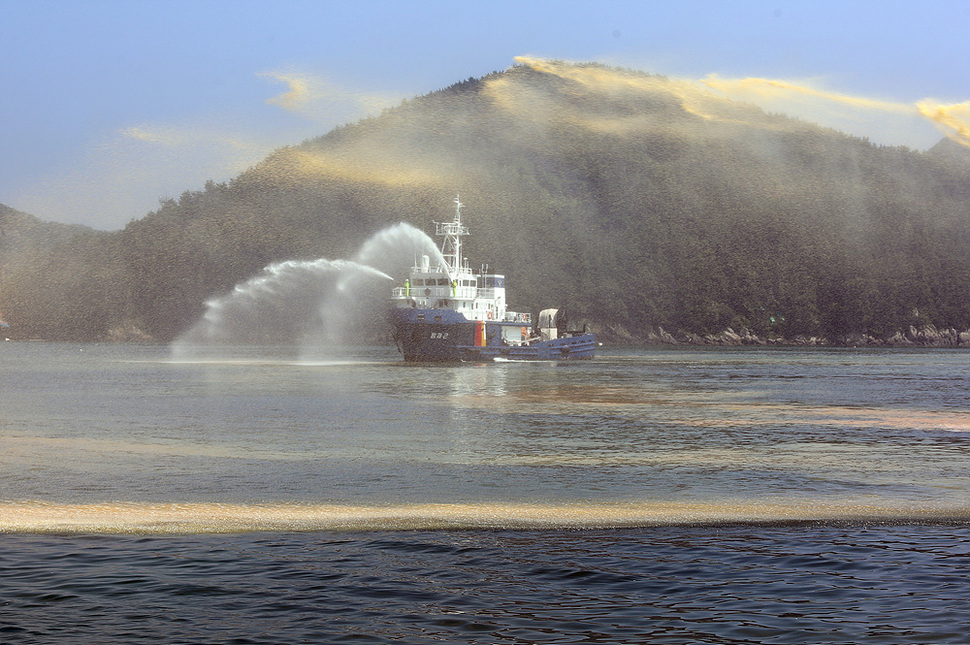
(123, 175)
(300, 94)
(314, 98)
(149, 134)
(953, 119)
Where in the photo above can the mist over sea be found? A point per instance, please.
(258, 495)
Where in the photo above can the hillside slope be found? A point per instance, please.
(635, 200)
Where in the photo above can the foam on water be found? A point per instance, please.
(42, 517)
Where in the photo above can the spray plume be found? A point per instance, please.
(768, 89)
(314, 304)
(801, 99)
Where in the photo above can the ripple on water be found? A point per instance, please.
(835, 583)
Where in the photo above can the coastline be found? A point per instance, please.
(925, 336)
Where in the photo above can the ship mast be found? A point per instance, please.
(451, 245)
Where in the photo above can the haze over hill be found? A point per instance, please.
(637, 201)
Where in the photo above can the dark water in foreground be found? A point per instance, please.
(667, 496)
(730, 584)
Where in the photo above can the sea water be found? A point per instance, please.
(664, 495)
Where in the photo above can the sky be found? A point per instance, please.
(108, 107)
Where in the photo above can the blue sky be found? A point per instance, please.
(106, 106)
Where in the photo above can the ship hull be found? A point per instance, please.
(444, 335)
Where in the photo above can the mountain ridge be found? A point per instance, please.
(638, 201)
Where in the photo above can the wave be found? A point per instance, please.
(183, 518)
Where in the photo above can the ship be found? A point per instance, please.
(446, 312)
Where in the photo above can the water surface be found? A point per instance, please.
(661, 496)
(116, 435)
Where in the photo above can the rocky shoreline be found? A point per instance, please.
(926, 336)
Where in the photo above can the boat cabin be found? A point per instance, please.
(453, 285)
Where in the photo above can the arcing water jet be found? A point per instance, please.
(313, 304)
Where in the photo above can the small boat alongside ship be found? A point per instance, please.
(447, 312)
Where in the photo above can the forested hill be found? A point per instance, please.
(638, 201)
(22, 235)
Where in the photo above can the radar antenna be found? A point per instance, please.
(451, 245)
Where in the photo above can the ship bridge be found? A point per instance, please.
(454, 285)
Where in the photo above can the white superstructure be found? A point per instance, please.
(454, 285)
